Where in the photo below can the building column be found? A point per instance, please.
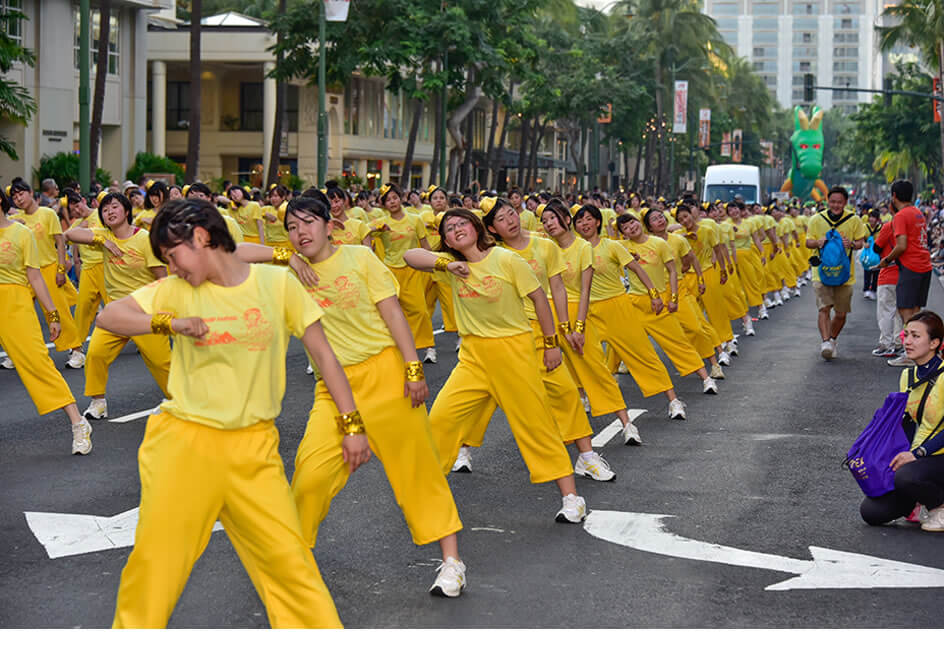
(159, 91)
(269, 114)
(425, 174)
(362, 170)
(386, 173)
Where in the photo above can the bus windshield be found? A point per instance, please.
(728, 192)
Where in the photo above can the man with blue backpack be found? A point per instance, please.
(869, 258)
(835, 232)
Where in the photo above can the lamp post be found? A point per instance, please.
(85, 166)
(323, 118)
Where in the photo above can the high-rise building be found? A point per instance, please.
(783, 39)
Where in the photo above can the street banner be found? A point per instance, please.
(336, 11)
(704, 132)
(937, 104)
(680, 106)
(768, 154)
(724, 147)
(737, 145)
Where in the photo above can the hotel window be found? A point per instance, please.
(94, 31)
(178, 105)
(251, 106)
(14, 26)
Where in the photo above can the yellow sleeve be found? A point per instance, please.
(862, 231)
(362, 230)
(381, 282)
(621, 254)
(53, 226)
(30, 251)
(419, 228)
(145, 244)
(555, 263)
(300, 310)
(148, 296)
(817, 229)
(663, 249)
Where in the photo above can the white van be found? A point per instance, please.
(726, 181)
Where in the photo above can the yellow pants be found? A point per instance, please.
(441, 292)
(751, 275)
(104, 347)
(785, 271)
(411, 296)
(616, 322)
(714, 303)
(399, 436)
(666, 331)
(772, 275)
(22, 339)
(735, 296)
(91, 293)
(589, 371)
(690, 315)
(63, 298)
(192, 474)
(500, 370)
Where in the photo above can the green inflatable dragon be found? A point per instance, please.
(807, 156)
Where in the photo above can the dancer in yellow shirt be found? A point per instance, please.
(92, 263)
(438, 291)
(156, 195)
(347, 229)
(212, 451)
(275, 215)
(20, 332)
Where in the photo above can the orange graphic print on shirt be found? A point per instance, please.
(253, 332)
(342, 292)
(489, 288)
(129, 259)
(8, 253)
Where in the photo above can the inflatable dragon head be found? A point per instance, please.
(808, 142)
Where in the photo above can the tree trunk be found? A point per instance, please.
(496, 164)
(193, 130)
(98, 97)
(411, 141)
(523, 145)
(438, 135)
(539, 130)
(467, 169)
(575, 150)
(659, 98)
(627, 168)
(474, 93)
(490, 144)
(272, 175)
(637, 166)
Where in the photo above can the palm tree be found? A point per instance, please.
(272, 175)
(101, 70)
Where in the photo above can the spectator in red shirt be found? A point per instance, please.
(910, 253)
(888, 320)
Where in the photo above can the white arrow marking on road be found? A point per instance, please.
(612, 429)
(63, 534)
(134, 415)
(829, 569)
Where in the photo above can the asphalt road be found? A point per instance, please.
(756, 468)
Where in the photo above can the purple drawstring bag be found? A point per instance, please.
(870, 455)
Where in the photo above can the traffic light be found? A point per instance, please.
(888, 86)
(809, 87)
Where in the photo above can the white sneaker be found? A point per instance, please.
(451, 578)
(430, 355)
(76, 359)
(622, 368)
(797, 291)
(98, 409)
(769, 303)
(731, 349)
(716, 372)
(834, 347)
(786, 294)
(709, 385)
(459, 341)
(778, 300)
(308, 370)
(802, 281)
(7, 363)
(724, 359)
(827, 352)
(677, 409)
(867, 294)
(934, 520)
(586, 403)
(873, 295)
(763, 313)
(463, 463)
(631, 434)
(595, 467)
(573, 510)
(900, 361)
(747, 328)
(82, 437)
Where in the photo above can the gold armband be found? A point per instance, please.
(161, 323)
(441, 263)
(674, 298)
(98, 240)
(579, 326)
(565, 327)
(550, 341)
(52, 317)
(61, 268)
(653, 293)
(414, 371)
(281, 255)
(350, 424)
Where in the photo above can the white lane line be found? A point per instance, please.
(131, 417)
(3, 354)
(612, 429)
(439, 331)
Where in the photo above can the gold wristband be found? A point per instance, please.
(281, 255)
(579, 326)
(161, 323)
(565, 327)
(550, 341)
(61, 268)
(98, 240)
(441, 263)
(674, 298)
(350, 424)
(700, 280)
(414, 371)
(52, 317)
(653, 293)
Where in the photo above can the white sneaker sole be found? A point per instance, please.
(562, 519)
(438, 591)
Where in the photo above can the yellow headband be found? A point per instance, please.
(148, 184)
(487, 204)
(63, 202)
(430, 189)
(185, 189)
(102, 194)
(539, 210)
(383, 190)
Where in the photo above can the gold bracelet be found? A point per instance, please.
(550, 341)
(673, 297)
(52, 317)
(579, 326)
(441, 263)
(98, 240)
(700, 280)
(161, 323)
(281, 255)
(414, 371)
(653, 293)
(565, 327)
(61, 268)
(350, 424)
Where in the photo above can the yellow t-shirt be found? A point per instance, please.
(403, 235)
(545, 259)
(233, 227)
(577, 258)
(432, 223)
(489, 302)
(45, 225)
(652, 255)
(703, 241)
(132, 270)
(852, 229)
(529, 222)
(357, 213)
(247, 217)
(609, 217)
(143, 219)
(932, 420)
(90, 254)
(234, 376)
(351, 282)
(679, 247)
(608, 260)
(353, 233)
(275, 231)
(18, 250)
(742, 233)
